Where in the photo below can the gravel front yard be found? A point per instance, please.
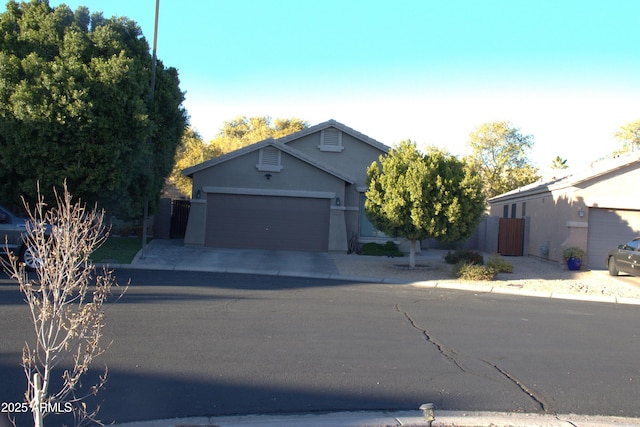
(529, 275)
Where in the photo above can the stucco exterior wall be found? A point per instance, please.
(353, 160)
(296, 176)
(616, 192)
(241, 172)
(554, 222)
(559, 216)
(336, 172)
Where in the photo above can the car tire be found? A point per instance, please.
(613, 270)
(29, 257)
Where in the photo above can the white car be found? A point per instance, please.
(13, 238)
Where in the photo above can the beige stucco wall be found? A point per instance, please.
(554, 222)
(559, 217)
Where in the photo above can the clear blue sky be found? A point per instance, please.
(565, 71)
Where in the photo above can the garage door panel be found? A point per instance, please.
(607, 229)
(264, 222)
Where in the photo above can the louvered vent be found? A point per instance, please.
(331, 137)
(331, 140)
(269, 160)
(270, 156)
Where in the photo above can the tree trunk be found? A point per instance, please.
(412, 254)
(37, 401)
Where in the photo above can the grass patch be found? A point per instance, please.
(117, 250)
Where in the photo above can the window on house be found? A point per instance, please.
(505, 211)
(524, 209)
(269, 160)
(331, 140)
(366, 227)
(513, 210)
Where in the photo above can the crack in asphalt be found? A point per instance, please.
(539, 400)
(227, 305)
(453, 357)
(450, 355)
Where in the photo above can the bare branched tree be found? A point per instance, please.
(67, 302)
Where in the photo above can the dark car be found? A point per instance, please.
(12, 238)
(625, 259)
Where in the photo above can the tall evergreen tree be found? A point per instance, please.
(75, 105)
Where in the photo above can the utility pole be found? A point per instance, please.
(154, 61)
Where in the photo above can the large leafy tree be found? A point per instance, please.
(75, 104)
(419, 196)
(235, 134)
(499, 154)
(629, 136)
(192, 150)
(243, 131)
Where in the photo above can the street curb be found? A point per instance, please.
(391, 418)
(479, 288)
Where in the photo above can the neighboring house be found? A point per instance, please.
(302, 192)
(596, 209)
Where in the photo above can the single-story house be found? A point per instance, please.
(594, 209)
(301, 192)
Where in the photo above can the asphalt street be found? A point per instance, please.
(196, 344)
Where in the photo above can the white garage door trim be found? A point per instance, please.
(270, 192)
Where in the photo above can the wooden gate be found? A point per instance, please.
(179, 217)
(511, 236)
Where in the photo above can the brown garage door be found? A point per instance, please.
(609, 228)
(267, 222)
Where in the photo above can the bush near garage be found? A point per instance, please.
(389, 249)
(469, 265)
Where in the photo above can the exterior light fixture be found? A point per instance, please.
(581, 212)
(338, 202)
(198, 194)
(428, 412)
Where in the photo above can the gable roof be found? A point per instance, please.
(333, 123)
(259, 145)
(599, 169)
(281, 144)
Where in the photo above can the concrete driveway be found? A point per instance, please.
(173, 254)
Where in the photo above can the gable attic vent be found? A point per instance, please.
(269, 160)
(331, 140)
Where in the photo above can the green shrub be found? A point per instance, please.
(574, 252)
(389, 249)
(464, 255)
(500, 265)
(466, 271)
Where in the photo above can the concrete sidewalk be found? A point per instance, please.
(388, 419)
